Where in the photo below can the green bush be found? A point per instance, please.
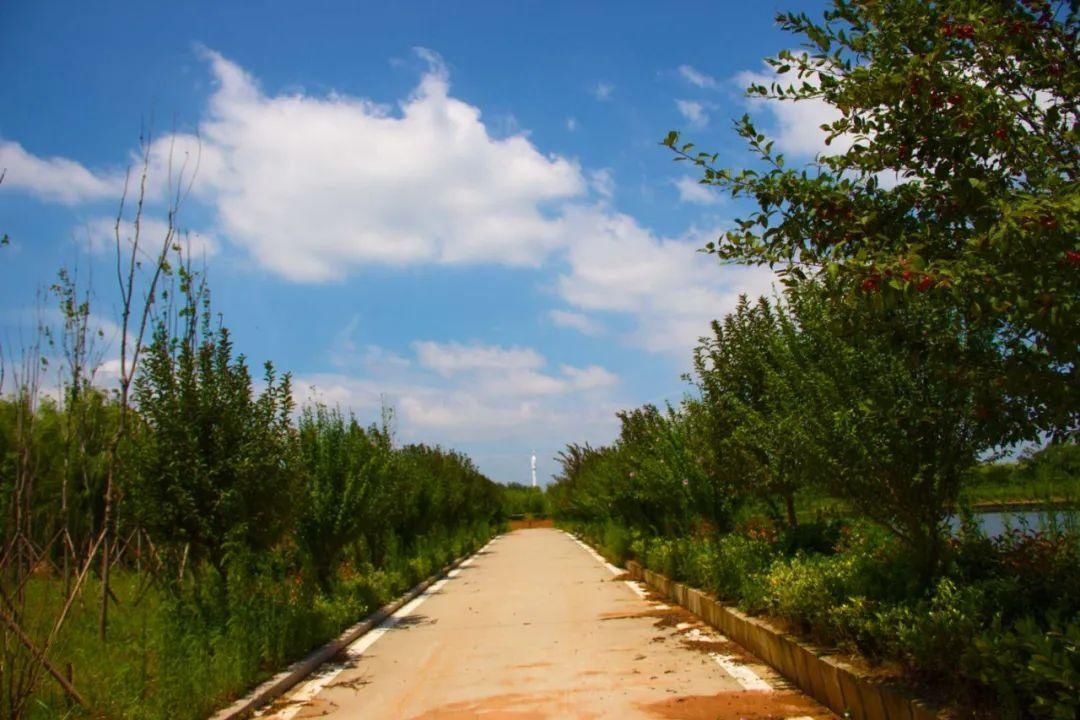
(804, 590)
(1034, 670)
(615, 542)
(740, 564)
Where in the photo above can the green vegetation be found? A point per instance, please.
(1048, 476)
(952, 170)
(172, 540)
(524, 501)
(928, 323)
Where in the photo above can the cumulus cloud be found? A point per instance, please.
(589, 378)
(796, 124)
(694, 112)
(314, 186)
(19, 330)
(452, 358)
(602, 182)
(691, 191)
(318, 187)
(101, 237)
(470, 392)
(696, 77)
(575, 321)
(55, 179)
(619, 266)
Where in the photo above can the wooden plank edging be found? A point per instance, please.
(835, 684)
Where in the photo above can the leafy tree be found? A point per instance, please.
(214, 461)
(756, 431)
(343, 468)
(585, 487)
(657, 467)
(715, 492)
(519, 499)
(960, 177)
(897, 407)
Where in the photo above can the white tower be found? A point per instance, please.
(533, 466)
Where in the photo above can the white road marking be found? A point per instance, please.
(321, 679)
(597, 556)
(742, 674)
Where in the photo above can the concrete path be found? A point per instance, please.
(538, 626)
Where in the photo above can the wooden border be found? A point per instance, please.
(835, 684)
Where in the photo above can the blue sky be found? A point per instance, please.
(460, 208)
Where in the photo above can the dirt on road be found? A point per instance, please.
(535, 626)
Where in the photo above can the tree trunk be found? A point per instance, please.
(789, 504)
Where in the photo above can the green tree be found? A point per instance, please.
(896, 406)
(742, 372)
(343, 468)
(215, 462)
(961, 175)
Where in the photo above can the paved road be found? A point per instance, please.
(537, 626)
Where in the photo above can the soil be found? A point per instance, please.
(528, 524)
(744, 705)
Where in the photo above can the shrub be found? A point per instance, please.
(1033, 670)
(739, 569)
(615, 540)
(815, 537)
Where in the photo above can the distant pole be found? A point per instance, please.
(533, 465)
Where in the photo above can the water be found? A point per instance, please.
(995, 524)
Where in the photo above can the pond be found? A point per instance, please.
(997, 523)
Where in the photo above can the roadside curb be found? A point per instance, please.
(835, 684)
(293, 674)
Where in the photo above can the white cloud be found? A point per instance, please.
(691, 191)
(590, 378)
(101, 237)
(575, 321)
(347, 354)
(696, 77)
(797, 124)
(55, 179)
(571, 124)
(694, 112)
(102, 350)
(602, 182)
(471, 392)
(616, 265)
(602, 91)
(452, 358)
(315, 186)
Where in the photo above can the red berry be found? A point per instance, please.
(1000, 133)
(1072, 257)
(925, 283)
(907, 275)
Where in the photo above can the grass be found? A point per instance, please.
(183, 657)
(1035, 491)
